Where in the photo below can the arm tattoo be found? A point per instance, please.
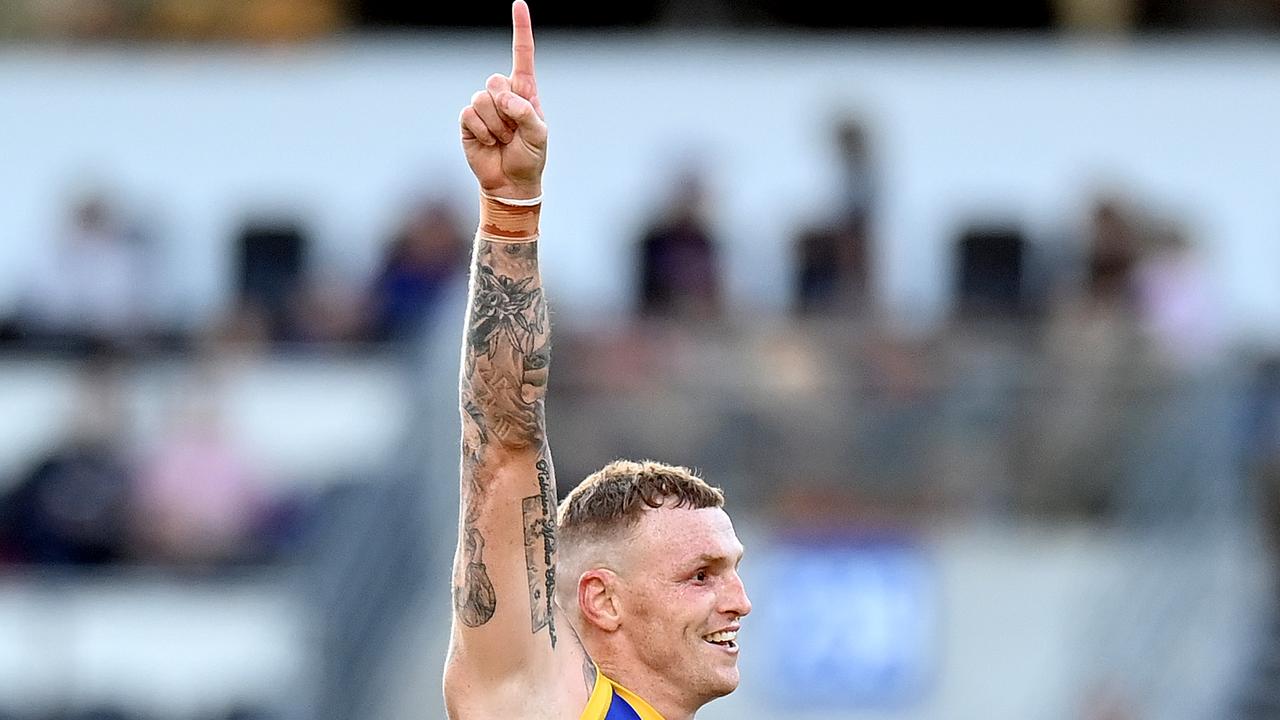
(475, 600)
(505, 366)
(504, 375)
(540, 549)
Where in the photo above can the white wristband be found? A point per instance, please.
(514, 201)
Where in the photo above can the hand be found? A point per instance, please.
(504, 133)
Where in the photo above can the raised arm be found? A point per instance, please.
(504, 629)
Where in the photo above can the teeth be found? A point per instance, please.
(727, 636)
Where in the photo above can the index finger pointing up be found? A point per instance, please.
(521, 40)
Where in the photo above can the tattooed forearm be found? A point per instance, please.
(474, 600)
(540, 549)
(506, 353)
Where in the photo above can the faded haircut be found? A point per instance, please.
(612, 499)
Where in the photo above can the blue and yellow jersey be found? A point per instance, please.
(611, 701)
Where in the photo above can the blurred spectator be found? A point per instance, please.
(271, 257)
(991, 272)
(679, 267)
(1077, 440)
(94, 291)
(71, 507)
(328, 309)
(1094, 309)
(245, 327)
(1176, 305)
(1113, 244)
(833, 257)
(427, 256)
(196, 500)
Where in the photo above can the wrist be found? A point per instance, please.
(511, 218)
(515, 191)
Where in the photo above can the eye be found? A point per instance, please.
(700, 576)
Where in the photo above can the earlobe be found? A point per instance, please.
(598, 600)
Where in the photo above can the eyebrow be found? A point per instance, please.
(712, 559)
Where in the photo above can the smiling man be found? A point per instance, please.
(624, 602)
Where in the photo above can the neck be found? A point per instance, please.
(659, 692)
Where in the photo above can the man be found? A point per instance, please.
(628, 604)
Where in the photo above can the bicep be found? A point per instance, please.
(559, 683)
(511, 644)
(504, 571)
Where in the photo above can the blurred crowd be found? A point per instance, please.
(186, 498)
(190, 497)
(1124, 302)
(98, 290)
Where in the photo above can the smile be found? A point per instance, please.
(727, 639)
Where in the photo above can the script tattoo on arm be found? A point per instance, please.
(540, 548)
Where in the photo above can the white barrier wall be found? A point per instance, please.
(299, 422)
(144, 642)
(345, 132)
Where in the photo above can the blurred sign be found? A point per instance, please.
(850, 623)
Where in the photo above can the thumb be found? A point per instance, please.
(525, 116)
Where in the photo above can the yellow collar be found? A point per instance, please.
(602, 696)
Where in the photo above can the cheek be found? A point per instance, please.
(692, 606)
(674, 610)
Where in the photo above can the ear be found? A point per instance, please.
(598, 599)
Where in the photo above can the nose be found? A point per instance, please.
(736, 600)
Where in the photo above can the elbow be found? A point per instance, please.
(516, 431)
(460, 686)
(454, 690)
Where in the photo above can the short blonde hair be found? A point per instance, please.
(615, 496)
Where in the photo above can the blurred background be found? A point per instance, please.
(974, 312)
